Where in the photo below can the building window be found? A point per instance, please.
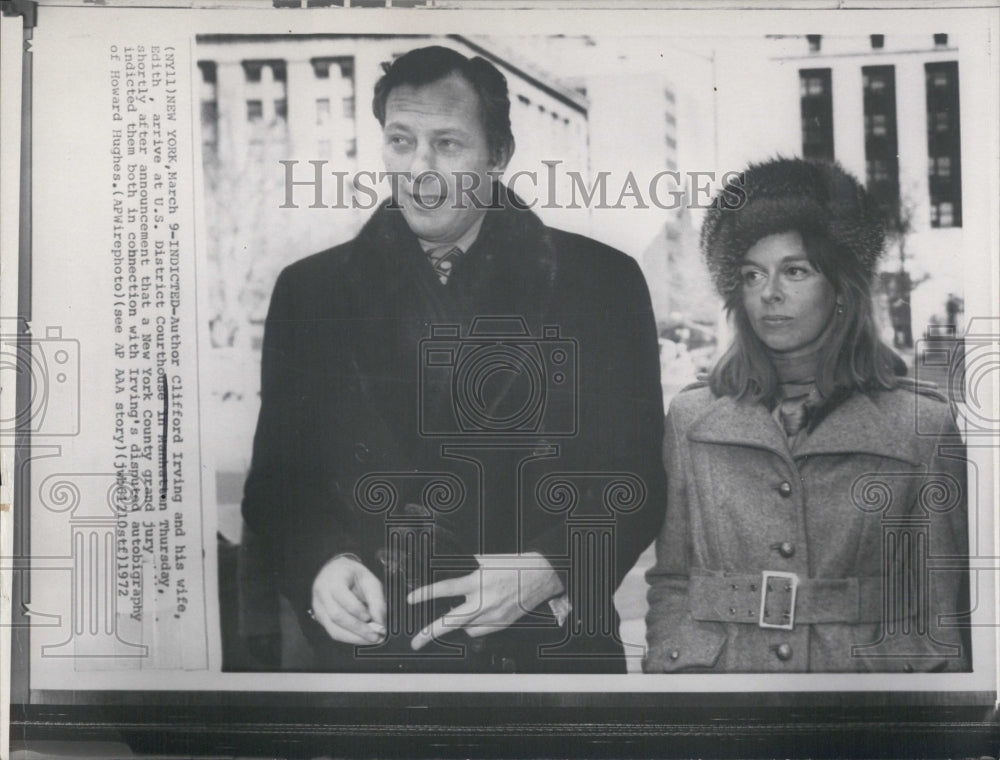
(939, 167)
(209, 104)
(946, 215)
(816, 99)
(208, 70)
(347, 105)
(669, 95)
(321, 67)
(209, 123)
(322, 112)
(878, 41)
(343, 67)
(266, 99)
(941, 40)
(815, 42)
(881, 138)
(937, 78)
(944, 144)
(252, 71)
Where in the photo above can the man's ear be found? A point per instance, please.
(506, 152)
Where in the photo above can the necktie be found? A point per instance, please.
(443, 259)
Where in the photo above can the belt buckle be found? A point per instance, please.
(789, 585)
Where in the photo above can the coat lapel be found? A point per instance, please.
(858, 425)
(735, 423)
(509, 271)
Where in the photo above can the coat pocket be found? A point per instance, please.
(689, 646)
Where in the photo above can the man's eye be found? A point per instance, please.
(447, 144)
(399, 141)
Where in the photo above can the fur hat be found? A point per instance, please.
(812, 197)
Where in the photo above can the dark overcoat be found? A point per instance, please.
(415, 425)
(869, 514)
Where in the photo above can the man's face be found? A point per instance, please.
(435, 134)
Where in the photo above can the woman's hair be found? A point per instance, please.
(854, 358)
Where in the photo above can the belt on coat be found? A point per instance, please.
(780, 600)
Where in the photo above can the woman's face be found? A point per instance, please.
(790, 303)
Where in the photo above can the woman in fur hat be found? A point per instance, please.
(811, 485)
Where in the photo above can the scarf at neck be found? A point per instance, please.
(797, 388)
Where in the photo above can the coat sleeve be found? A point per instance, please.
(290, 497)
(675, 641)
(946, 497)
(621, 412)
(936, 592)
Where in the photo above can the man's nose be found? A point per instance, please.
(424, 160)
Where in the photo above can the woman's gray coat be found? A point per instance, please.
(865, 513)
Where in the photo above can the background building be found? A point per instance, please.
(888, 108)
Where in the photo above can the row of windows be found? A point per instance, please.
(877, 41)
(266, 97)
(880, 132)
(525, 101)
(276, 69)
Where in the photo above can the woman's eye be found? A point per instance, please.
(796, 272)
(751, 276)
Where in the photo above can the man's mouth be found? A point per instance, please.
(428, 201)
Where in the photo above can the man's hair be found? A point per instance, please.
(427, 65)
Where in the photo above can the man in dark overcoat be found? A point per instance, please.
(457, 457)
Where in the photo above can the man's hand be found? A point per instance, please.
(504, 589)
(348, 601)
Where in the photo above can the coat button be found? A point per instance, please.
(362, 453)
(674, 654)
(908, 668)
(783, 652)
(508, 665)
(786, 549)
(785, 489)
